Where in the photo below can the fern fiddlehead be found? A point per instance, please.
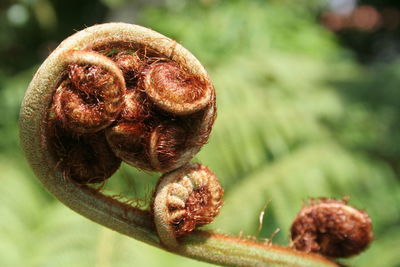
(332, 228)
(117, 92)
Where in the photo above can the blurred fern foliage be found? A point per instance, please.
(293, 123)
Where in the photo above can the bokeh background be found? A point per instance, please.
(309, 106)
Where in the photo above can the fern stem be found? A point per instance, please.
(233, 251)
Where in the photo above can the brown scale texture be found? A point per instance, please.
(128, 135)
(165, 137)
(138, 143)
(330, 228)
(136, 106)
(128, 141)
(75, 113)
(130, 65)
(199, 210)
(100, 86)
(175, 84)
(84, 159)
(88, 78)
(199, 136)
(88, 100)
(170, 142)
(140, 133)
(169, 137)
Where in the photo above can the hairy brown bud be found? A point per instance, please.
(128, 141)
(185, 199)
(83, 159)
(154, 105)
(175, 90)
(332, 228)
(136, 106)
(91, 97)
(130, 65)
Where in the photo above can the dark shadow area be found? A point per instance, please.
(29, 32)
(370, 28)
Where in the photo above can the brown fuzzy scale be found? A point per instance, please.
(331, 228)
(173, 83)
(99, 84)
(84, 159)
(198, 136)
(145, 54)
(127, 62)
(185, 199)
(88, 101)
(130, 65)
(199, 211)
(128, 142)
(167, 140)
(153, 148)
(136, 106)
(70, 108)
(141, 133)
(164, 138)
(173, 89)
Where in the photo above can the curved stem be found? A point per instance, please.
(234, 251)
(200, 245)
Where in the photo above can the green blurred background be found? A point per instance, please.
(308, 106)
